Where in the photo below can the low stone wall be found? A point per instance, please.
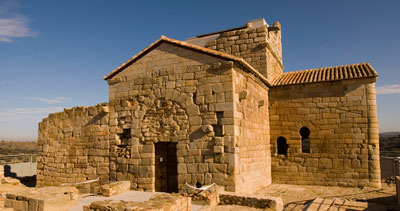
(251, 201)
(390, 166)
(23, 169)
(42, 199)
(73, 147)
(156, 203)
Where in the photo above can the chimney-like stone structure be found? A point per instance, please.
(256, 42)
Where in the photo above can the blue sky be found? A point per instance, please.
(53, 54)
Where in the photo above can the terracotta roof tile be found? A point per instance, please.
(200, 49)
(337, 73)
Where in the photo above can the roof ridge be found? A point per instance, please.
(311, 69)
(205, 50)
(325, 74)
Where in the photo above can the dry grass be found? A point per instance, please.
(16, 147)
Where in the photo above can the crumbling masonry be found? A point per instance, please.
(218, 108)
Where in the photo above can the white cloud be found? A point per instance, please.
(388, 89)
(27, 113)
(12, 25)
(50, 101)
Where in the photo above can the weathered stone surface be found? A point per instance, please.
(263, 202)
(112, 189)
(1, 173)
(338, 145)
(10, 180)
(206, 198)
(42, 199)
(156, 203)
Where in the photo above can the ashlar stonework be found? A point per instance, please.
(218, 108)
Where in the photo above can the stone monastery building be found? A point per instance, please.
(218, 108)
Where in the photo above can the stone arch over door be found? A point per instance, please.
(163, 127)
(165, 121)
(156, 116)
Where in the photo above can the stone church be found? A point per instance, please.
(218, 108)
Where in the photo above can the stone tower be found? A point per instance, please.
(256, 42)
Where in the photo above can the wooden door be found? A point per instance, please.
(166, 168)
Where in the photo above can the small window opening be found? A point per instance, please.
(305, 139)
(125, 137)
(213, 92)
(194, 97)
(282, 146)
(218, 128)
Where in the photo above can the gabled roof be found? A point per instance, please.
(337, 73)
(189, 46)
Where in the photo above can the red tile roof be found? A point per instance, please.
(190, 46)
(337, 73)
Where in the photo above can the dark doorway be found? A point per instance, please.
(166, 168)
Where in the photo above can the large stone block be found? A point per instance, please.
(156, 203)
(112, 189)
(42, 199)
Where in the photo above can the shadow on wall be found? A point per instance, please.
(29, 181)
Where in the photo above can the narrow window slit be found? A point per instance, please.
(194, 97)
(218, 128)
(305, 139)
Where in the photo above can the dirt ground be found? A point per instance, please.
(295, 197)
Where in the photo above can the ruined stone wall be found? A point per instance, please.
(252, 132)
(344, 142)
(73, 146)
(261, 47)
(196, 86)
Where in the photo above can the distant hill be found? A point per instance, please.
(390, 134)
(389, 144)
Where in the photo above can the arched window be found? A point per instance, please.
(282, 145)
(305, 139)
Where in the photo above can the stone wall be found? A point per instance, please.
(73, 146)
(251, 132)
(184, 90)
(344, 137)
(261, 47)
(257, 201)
